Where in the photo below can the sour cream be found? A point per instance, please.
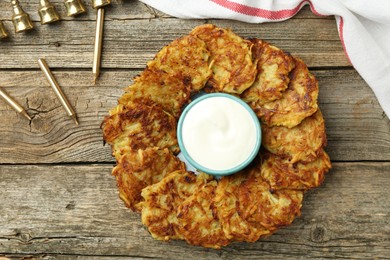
(219, 133)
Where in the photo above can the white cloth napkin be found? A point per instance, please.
(364, 28)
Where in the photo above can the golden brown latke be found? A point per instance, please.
(227, 200)
(248, 208)
(159, 210)
(261, 206)
(139, 169)
(185, 58)
(158, 87)
(231, 59)
(300, 143)
(282, 174)
(273, 68)
(199, 223)
(298, 101)
(138, 126)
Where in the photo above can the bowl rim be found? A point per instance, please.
(198, 166)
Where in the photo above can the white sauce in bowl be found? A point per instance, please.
(219, 133)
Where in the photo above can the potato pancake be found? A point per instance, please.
(273, 68)
(158, 87)
(298, 101)
(280, 173)
(186, 58)
(199, 223)
(300, 143)
(227, 200)
(139, 169)
(231, 59)
(138, 126)
(260, 205)
(159, 210)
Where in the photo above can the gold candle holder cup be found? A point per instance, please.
(74, 7)
(47, 12)
(3, 31)
(20, 18)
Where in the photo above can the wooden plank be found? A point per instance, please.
(356, 126)
(354, 119)
(119, 9)
(75, 210)
(130, 44)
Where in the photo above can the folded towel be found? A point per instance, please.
(364, 28)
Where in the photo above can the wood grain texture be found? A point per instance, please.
(131, 43)
(348, 105)
(75, 210)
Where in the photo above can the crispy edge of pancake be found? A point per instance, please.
(139, 169)
(138, 126)
(300, 143)
(186, 57)
(199, 223)
(260, 205)
(228, 210)
(231, 59)
(161, 201)
(282, 174)
(298, 101)
(273, 69)
(158, 87)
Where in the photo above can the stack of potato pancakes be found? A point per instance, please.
(268, 194)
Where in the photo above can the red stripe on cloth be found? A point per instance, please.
(341, 32)
(313, 9)
(263, 13)
(254, 11)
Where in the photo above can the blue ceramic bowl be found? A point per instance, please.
(189, 160)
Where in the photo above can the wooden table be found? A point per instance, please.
(58, 198)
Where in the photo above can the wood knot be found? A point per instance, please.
(23, 237)
(71, 205)
(57, 44)
(319, 234)
(39, 123)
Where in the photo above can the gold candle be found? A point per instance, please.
(57, 90)
(15, 106)
(98, 43)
